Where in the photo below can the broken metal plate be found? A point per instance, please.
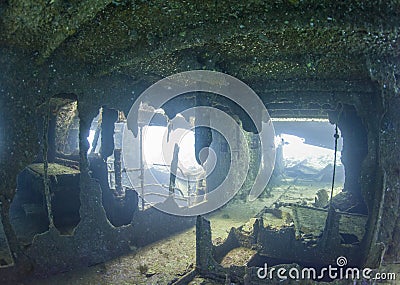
(311, 221)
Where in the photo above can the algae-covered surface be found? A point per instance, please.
(158, 263)
(169, 259)
(53, 169)
(5, 256)
(319, 52)
(238, 256)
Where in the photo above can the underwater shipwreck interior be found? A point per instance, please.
(76, 210)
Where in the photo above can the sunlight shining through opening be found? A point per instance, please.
(296, 151)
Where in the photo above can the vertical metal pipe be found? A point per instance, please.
(141, 165)
(46, 180)
(189, 191)
(118, 171)
(173, 170)
(97, 132)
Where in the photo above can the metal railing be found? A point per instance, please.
(189, 198)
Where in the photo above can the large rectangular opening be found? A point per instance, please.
(305, 156)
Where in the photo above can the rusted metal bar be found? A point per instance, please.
(173, 170)
(46, 181)
(118, 171)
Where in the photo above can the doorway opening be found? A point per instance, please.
(304, 161)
